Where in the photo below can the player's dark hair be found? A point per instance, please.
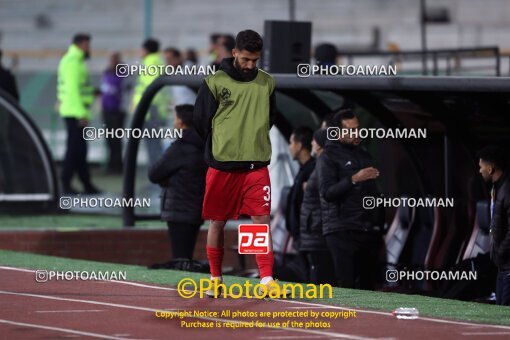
(494, 155)
(249, 40)
(151, 45)
(80, 37)
(328, 119)
(325, 54)
(321, 136)
(174, 51)
(191, 55)
(185, 113)
(230, 42)
(213, 38)
(303, 135)
(340, 116)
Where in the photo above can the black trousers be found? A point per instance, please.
(320, 267)
(183, 237)
(503, 289)
(114, 120)
(355, 258)
(75, 160)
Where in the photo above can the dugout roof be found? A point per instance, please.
(27, 174)
(461, 114)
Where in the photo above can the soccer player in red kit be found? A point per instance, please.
(234, 112)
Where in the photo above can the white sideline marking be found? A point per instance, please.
(302, 303)
(486, 333)
(58, 329)
(76, 300)
(69, 311)
(330, 334)
(391, 315)
(308, 307)
(18, 269)
(291, 337)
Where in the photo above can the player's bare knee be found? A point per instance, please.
(217, 225)
(260, 219)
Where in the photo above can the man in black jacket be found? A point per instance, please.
(346, 175)
(492, 162)
(312, 242)
(7, 81)
(300, 147)
(181, 174)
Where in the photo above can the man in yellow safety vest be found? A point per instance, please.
(75, 96)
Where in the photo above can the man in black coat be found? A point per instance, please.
(181, 173)
(313, 244)
(7, 81)
(346, 175)
(493, 168)
(300, 147)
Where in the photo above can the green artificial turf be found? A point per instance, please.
(69, 221)
(427, 306)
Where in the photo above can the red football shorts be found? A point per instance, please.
(231, 194)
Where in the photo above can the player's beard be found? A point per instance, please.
(245, 73)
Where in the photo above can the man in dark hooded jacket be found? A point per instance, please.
(313, 244)
(300, 147)
(7, 81)
(346, 176)
(493, 168)
(181, 173)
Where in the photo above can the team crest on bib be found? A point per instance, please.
(225, 97)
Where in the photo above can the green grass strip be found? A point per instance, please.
(427, 306)
(68, 222)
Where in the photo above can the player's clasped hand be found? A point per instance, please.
(365, 174)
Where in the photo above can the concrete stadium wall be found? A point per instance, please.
(134, 246)
(118, 24)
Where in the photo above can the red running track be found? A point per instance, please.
(126, 310)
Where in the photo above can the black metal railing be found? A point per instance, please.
(435, 57)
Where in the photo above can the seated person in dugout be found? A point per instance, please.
(180, 172)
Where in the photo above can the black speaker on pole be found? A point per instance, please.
(286, 45)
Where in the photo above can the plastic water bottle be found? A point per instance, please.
(406, 313)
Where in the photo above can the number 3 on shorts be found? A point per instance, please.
(267, 189)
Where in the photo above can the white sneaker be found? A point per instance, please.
(211, 292)
(274, 291)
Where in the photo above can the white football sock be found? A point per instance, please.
(266, 279)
